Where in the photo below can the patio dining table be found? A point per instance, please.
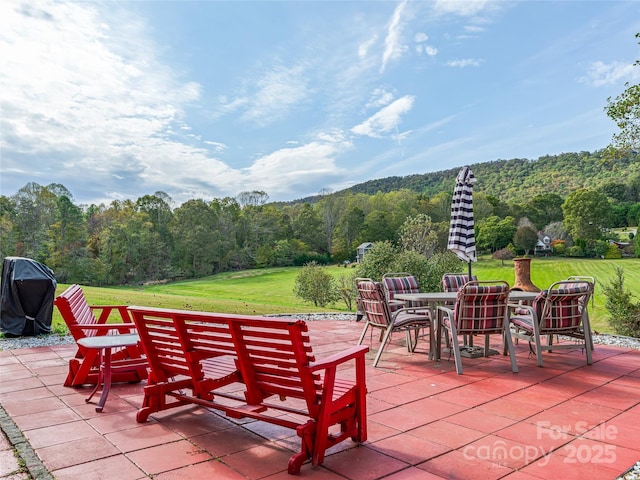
(433, 299)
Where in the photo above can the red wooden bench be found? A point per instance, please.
(253, 367)
(128, 364)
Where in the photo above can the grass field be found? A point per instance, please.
(268, 291)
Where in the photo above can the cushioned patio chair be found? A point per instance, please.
(559, 310)
(452, 282)
(128, 363)
(378, 315)
(592, 281)
(481, 308)
(398, 283)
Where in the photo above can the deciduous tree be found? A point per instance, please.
(315, 284)
(625, 111)
(586, 213)
(525, 239)
(418, 234)
(494, 233)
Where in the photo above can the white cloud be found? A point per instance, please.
(278, 91)
(385, 120)
(217, 146)
(379, 98)
(84, 88)
(363, 48)
(393, 42)
(420, 39)
(308, 167)
(427, 50)
(463, 8)
(74, 87)
(468, 62)
(474, 29)
(601, 73)
(336, 137)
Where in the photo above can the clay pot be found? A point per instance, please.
(523, 275)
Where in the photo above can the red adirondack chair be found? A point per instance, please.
(128, 364)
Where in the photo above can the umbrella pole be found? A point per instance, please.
(469, 264)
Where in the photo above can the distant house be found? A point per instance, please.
(362, 250)
(543, 246)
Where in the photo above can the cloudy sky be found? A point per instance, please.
(205, 99)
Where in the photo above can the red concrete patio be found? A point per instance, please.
(566, 420)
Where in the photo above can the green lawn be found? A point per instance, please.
(266, 291)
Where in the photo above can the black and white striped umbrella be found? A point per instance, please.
(462, 239)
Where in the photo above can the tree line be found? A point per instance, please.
(151, 238)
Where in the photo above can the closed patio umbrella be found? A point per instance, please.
(462, 239)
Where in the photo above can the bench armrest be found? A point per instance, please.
(336, 359)
(120, 327)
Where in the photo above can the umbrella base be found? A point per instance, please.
(473, 352)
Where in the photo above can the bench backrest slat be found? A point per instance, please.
(276, 366)
(163, 348)
(203, 336)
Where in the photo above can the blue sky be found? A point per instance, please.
(208, 99)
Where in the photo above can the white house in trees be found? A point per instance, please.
(362, 250)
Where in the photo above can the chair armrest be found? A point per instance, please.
(396, 302)
(108, 309)
(414, 310)
(444, 309)
(336, 359)
(117, 307)
(518, 306)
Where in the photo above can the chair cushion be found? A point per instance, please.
(538, 302)
(564, 314)
(372, 300)
(454, 282)
(395, 285)
(524, 322)
(480, 307)
(410, 318)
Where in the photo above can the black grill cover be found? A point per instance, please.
(28, 291)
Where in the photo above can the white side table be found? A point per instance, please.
(105, 343)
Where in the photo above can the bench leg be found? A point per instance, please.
(306, 433)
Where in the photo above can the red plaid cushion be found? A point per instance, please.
(558, 309)
(371, 298)
(481, 308)
(395, 285)
(538, 302)
(579, 284)
(454, 282)
(565, 312)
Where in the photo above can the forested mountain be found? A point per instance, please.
(519, 180)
